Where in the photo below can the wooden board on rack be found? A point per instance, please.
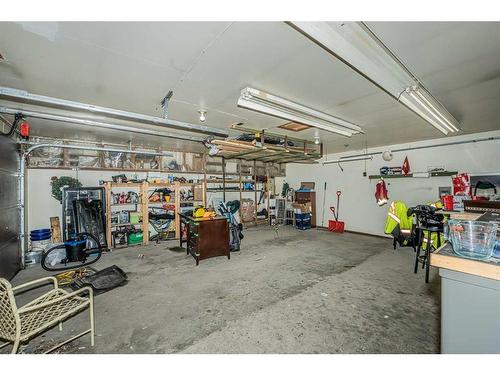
(55, 226)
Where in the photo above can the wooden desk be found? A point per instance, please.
(205, 237)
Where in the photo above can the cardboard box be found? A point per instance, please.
(302, 208)
(198, 192)
(307, 185)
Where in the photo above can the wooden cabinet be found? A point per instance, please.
(308, 197)
(205, 237)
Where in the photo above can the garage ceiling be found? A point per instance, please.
(132, 66)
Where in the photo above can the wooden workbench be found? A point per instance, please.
(444, 257)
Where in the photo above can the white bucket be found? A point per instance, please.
(40, 245)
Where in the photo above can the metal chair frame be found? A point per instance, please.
(20, 325)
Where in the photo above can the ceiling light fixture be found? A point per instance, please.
(316, 137)
(203, 115)
(347, 158)
(356, 45)
(273, 105)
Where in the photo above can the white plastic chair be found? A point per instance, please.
(20, 325)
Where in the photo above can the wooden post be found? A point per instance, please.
(255, 189)
(268, 195)
(203, 166)
(66, 162)
(241, 194)
(107, 189)
(223, 179)
(55, 225)
(143, 197)
(177, 202)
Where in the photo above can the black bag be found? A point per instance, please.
(103, 280)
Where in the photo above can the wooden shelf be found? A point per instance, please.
(126, 184)
(444, 173)
(410, 175)
(111, 169)
(228, 181)
(160, 184)
(123, 224)
(144, 204)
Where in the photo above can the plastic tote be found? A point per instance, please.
(40, 234)
(472, 239)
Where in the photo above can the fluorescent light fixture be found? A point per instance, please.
(273, 105)
(358, 46)
(345, 159)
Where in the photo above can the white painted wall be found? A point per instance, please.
(358, 207)
(41, 204)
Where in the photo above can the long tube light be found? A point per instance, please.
(24, 96)
(273, 105)
(356, 45)
(98, 124)
(348, 158)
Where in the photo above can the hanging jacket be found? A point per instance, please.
(434, 236)
(398, 223)
(381, 195)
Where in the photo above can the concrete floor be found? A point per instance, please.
(287, 292)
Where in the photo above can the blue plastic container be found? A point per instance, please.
(37, 239)
(37, 232)
(304, 216)
(40, 234)
(41, 238)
